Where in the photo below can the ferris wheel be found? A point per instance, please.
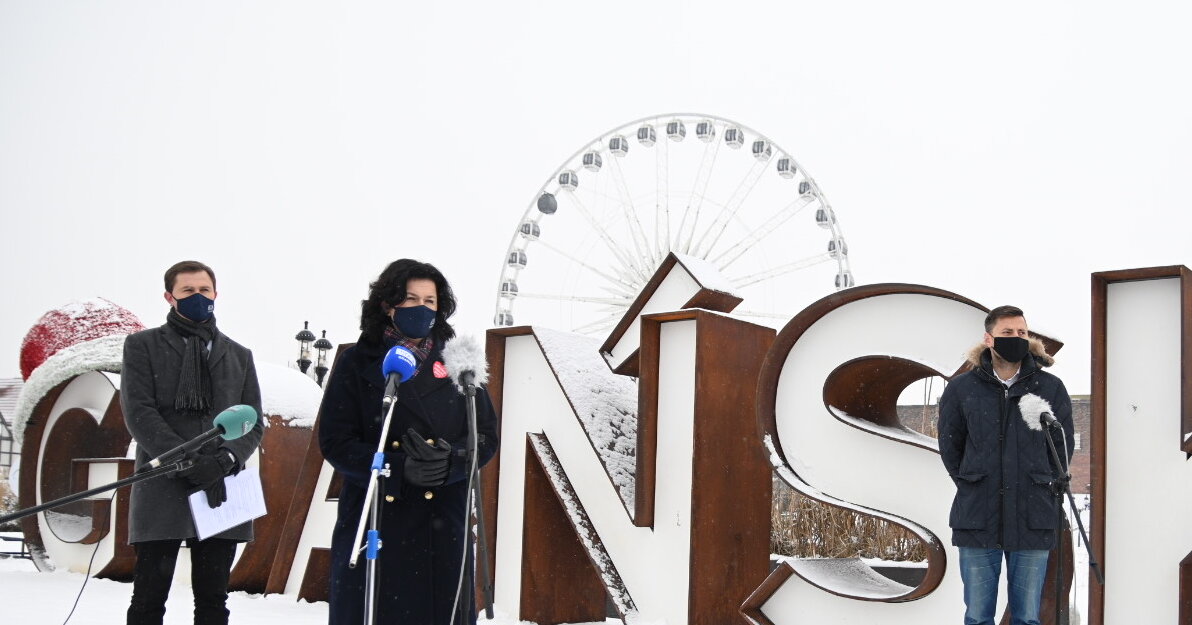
(696, 185)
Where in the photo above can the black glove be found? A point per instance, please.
(417, 447)
(425, 465)
(217, 493)
(209, 468)
(426, 472)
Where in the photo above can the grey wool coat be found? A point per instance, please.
(148, 384)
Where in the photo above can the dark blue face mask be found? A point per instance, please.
(197, 307)
(414, 321)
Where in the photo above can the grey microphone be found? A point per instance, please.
(466, 363)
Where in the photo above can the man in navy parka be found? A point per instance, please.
(993, 444)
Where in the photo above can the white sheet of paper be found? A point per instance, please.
(246, 501)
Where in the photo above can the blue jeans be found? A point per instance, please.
(980, 570)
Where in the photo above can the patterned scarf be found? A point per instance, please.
(421, 347)
(194, 379)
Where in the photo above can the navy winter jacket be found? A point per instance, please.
(423, 529)
(998, 460)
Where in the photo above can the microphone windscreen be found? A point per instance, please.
(401, 361)
(464, 353)
(236, 421)
(1031, 406)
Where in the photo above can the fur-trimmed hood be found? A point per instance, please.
(1037, 350)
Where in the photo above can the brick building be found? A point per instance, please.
(923, 419)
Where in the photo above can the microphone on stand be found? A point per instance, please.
(398, 366)
(1036, 412)
(466, 363)
(230, 424)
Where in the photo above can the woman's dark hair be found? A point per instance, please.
(390, 289)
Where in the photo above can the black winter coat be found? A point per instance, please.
(422, 529)
(1001, 466)
(148, 384)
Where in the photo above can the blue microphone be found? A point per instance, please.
(398, 366)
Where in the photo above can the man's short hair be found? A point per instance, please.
(186, 266)
(1000, 312)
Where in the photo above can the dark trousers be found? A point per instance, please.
(211, 563)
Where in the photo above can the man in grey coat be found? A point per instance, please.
(175, 379)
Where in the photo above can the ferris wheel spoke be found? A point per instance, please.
(662, 200)
(710, 201)
(587, 299)
(770, 274)
(699, 188)
(631, 266)
(730, 208)
(620, 290)
(619, 281)
(759, 234)
(598, 325)
(641, 243)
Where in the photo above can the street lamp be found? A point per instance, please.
(304, 338)
(322, 345)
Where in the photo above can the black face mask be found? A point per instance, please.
(1011, 348)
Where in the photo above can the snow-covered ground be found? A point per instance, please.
(28, 596)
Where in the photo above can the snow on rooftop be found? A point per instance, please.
(604, 402)
(708, 275)
(289, 394)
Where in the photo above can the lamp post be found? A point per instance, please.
(322, 345)
(304, 338)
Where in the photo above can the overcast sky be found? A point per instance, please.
(1001, 151)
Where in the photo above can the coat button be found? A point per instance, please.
(389, 498)
(430, 441)
(396, 444)
(428, 495)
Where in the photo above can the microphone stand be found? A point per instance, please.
(370, 514)
(180, 465)
(1060, 486)
(478, 499)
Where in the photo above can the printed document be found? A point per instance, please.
(246, 501)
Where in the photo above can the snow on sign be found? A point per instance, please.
(639, 469)
(829, 391)
(695, 541)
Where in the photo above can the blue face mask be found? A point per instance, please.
(197, 307)
(414, 321)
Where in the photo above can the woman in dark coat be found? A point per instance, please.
(425, 521)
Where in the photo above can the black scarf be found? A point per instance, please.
(194, 380)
